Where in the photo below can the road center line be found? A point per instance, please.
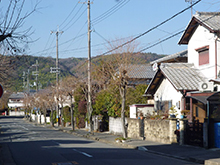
(90, 156)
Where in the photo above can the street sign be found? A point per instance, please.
(1, 91)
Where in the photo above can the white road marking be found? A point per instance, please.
(90, 156)
(24, 128)
(56, 142)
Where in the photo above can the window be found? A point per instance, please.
(203, 55)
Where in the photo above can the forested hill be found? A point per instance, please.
(68, 66)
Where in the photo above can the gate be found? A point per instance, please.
(194, 133)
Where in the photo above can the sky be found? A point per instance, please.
(112, 21)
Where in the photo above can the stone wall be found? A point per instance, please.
(133, 128)
(155, 130)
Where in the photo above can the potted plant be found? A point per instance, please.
(173, 112)
(184, 113)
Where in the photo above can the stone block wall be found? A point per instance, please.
(155, 130)
(133, 128)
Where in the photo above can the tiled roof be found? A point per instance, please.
(210, 19)
(19, 95)
(183, 76)
(140, 71)
(183, 53)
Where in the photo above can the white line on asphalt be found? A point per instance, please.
(90, 156)
(24, 128)
(56, 142)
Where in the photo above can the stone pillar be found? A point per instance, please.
(182, 130)
(172, 129)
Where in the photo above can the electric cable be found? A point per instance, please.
(152, 28)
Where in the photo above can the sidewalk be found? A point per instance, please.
(184, 152)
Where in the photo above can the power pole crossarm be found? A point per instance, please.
(57, 52)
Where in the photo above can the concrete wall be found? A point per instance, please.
(115, 125)
(39, 118)
(16, 113)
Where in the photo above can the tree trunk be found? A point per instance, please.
(45, 119)
(61, 117)
(51, 118)
(123, 93)
(40, 117)
(72, 115)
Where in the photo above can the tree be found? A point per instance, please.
(12, 36)
(117, 68)
(68, 86)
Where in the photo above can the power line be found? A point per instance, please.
(202, 21)
(69, 14)
(152, 28)
(109, 12)
(75, 20)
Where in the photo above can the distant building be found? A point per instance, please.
(16, 100)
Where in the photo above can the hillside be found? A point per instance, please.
(69, 66)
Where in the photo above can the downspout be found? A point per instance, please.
(216, 74)
(208, 111)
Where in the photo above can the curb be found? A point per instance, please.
(144, 149)
(124, 145)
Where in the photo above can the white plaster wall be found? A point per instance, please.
(145, 110)
(133, 112)
(167, 92)
(15, 105)
(202, 37)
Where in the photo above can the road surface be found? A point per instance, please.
(36, 145)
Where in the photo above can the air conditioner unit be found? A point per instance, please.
(206, 86)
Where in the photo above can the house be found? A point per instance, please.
(202, 38)
(180, 57)
(193, 86)
(16, 101)
(171, 83)
(139, 74)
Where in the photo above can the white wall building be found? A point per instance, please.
(16, 100)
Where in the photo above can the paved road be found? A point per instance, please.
(33, 145)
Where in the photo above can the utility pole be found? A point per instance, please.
(23, 77)
(190, 1)
(89, 69)
(56, 70)
(36, 73)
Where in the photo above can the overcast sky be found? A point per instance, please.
(111, 20)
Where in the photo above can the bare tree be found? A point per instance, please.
(12, 37)
(117, 68)
(68, 85)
